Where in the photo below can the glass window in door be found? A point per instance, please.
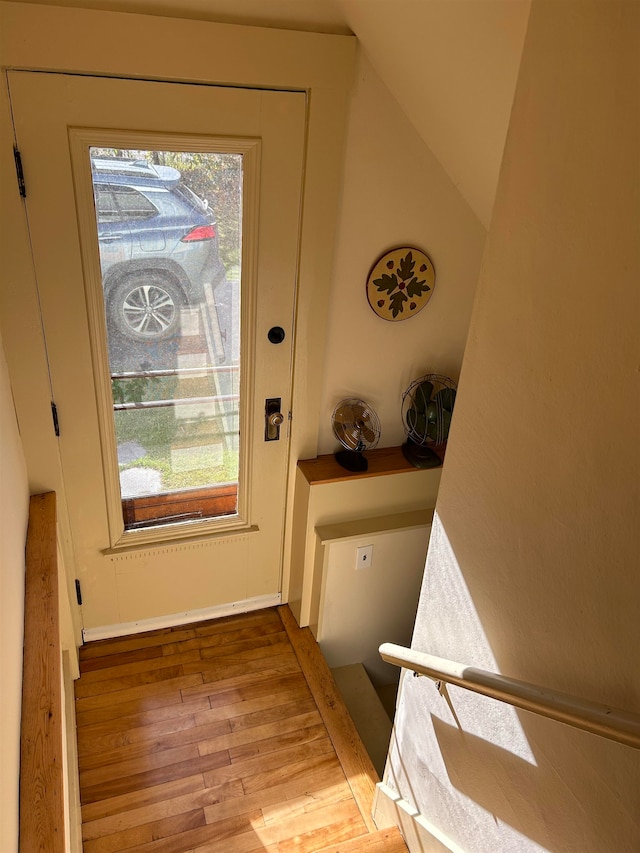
(169, 236)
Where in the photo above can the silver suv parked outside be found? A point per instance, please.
(158, 246)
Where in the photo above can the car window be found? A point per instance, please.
(132, 204)
(106, 207)
(166, 202)
(191, 197)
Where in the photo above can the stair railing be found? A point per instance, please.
(602, 720)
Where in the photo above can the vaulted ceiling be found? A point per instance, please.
(451, 64)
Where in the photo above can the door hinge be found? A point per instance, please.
(78, 592)
(54, 415)
(20, 173)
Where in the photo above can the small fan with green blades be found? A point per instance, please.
(427, 408)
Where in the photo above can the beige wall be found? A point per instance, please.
(14, 508)
(533, 562)
(362, 608)
(452, 67)
(354, 499)
(395, 193)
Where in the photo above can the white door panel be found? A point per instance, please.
(150, 574)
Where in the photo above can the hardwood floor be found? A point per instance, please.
(209, 737)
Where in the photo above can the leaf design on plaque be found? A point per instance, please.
(386, 282)
(402, 275)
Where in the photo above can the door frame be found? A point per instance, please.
(79, 41)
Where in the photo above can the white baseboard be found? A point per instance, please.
(419, 835)
(121, 629)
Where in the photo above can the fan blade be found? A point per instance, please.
(422, 395)
(348, 414)
(368, 434)
(351, 440)
(438, 430)
(417, 423)
(447, 397)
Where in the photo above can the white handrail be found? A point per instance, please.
(603, 720)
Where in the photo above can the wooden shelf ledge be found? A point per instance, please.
(382, 460)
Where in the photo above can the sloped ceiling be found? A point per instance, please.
(451, 64)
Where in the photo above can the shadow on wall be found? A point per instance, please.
(491, 777)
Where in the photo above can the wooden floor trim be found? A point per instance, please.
(383, 841)
(359, 770)
(41, 745)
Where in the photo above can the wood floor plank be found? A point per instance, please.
(150, 761)
(263, 641)
(92, 664)
(382, 841)
(250, 653)
(305, 803)
(271, 714)
(166, 807)
(149, 712)
(122, 804)
(296, 725)
(333, 822)
(252, 687)
(147, 778)
(100, 648)
(236, 710)
(144, 725)
(278, 771)
(164, 829)
(220, 835)
(119, 683)
(314, 831)
(139, 748)
(244, 678)
(270, 767)
(221, 639)
(208, 737)
(141, 692)
(282, 663)
(247, 832)
(261, 748)
(232, 623)
(129, 668)
(324, 781)
(94, 740)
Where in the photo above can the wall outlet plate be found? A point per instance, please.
(364, 557)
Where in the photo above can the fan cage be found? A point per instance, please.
(418, 436)
(350, 432)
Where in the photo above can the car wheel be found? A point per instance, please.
(146, 306)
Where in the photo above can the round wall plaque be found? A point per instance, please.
(401, 283)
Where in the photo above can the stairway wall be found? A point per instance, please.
(532, 568)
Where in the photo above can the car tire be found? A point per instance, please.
(146, 306)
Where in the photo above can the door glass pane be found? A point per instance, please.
(169, 235)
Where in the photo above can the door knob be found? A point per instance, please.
(273, 418)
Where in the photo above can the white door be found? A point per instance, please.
(168, 319)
